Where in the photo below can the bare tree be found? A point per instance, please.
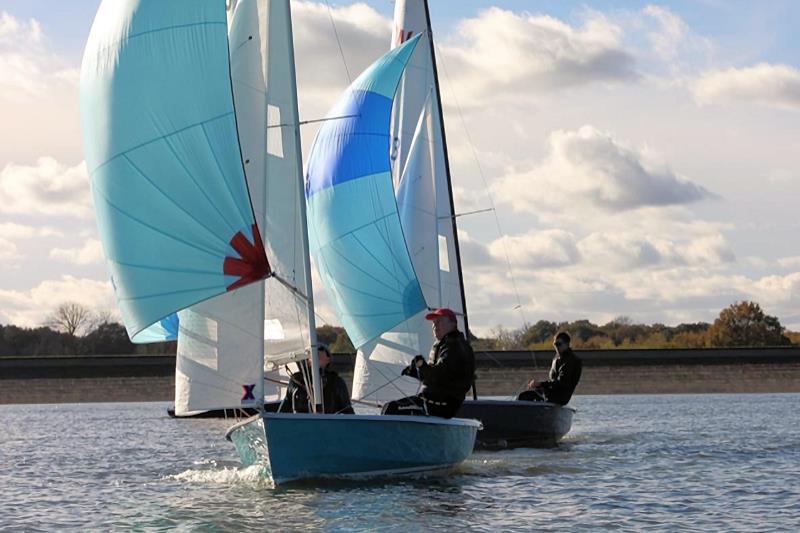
(98, 319)
(70, 318)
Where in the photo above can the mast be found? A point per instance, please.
(312, 328)
(449, 181)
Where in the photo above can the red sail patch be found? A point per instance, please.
(252, 264)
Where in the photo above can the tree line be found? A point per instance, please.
(742, 324)
(74, 329)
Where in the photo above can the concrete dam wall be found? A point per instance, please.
(134, 378)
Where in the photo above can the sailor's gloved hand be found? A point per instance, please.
(413, 369)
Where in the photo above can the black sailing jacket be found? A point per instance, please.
(334, 393)
(452, 368)
(565, 372)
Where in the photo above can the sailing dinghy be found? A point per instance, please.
(180, 222)
(421, 171)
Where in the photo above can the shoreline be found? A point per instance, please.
(138, 378)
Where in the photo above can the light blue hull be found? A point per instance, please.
(299, 446)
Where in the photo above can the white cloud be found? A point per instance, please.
(592, 167)
(46, 188)
(11, 230)
(636, 248)
(11, 234)
(687, 273)
(775, 288)
(90, 253)
(672, 39)
(474, 253)
(321, 74)
(537, 249)
(672, 31)
(790, 262)
(711, 249)
(38, 95)
(31, 308)
(8, 250)
(27, 71)
(620, 250)
(516, 54)
(592, 291)
(766, 84)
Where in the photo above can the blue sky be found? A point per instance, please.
(642, 157)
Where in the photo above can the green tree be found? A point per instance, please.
(328, 334)
(109, 338)
(540, 332)
(745, 324)
(581, 331)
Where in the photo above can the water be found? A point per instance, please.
(631, 463)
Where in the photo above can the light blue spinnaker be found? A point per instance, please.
(160, 137)
(164, 330)
(354, 227)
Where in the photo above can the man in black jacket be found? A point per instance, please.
(447, 377)
(565, 372)
(336, 397)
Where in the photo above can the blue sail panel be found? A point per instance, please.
(164, 330)
(355, 232)
(170, 195)
(354, 146)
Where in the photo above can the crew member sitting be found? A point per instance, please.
(447, 377)
(565, 372)
(336, 397)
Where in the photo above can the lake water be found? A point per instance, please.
(657, 463)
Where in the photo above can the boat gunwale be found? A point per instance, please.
(520, 403)
(435, 420)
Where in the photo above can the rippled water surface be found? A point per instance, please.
(657, 463)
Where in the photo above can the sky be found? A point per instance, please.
(637, 159)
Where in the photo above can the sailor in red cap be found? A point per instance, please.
(446, 378)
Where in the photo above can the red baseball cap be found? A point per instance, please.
(442, 311)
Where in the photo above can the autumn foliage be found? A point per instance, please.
(741, 324)
(745, 324)
(74, 329)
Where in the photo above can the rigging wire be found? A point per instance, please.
(485, 186)
(339, 43)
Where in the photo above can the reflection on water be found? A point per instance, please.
(672, 462)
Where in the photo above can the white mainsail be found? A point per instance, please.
(226, 341)
(423, 194)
